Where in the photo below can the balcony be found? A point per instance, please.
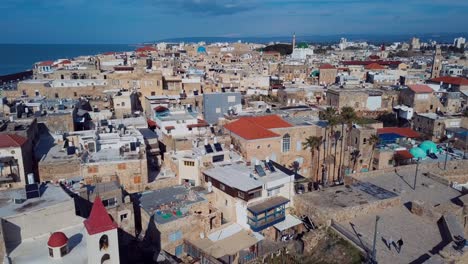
(266, 213)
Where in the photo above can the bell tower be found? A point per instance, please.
(101, 236)
(436, 63)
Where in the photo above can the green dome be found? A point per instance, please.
(429, 147)
(315, 73)
(302, 45)
(418, 153)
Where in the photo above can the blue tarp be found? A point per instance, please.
(389, 137)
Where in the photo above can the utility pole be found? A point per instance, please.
(449, 136)
(416, 173)
(374, 252)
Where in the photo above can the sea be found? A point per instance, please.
(16, 58)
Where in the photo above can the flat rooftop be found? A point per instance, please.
(51, 195)
(35, 250)
(348, 196)
(171, 203)
(401, 182)
(242, 177)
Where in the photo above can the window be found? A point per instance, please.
(240, 194)
(175, 236)
(179, 250)
(103, 243)
(286, 143)
(123, 103)
(226, 202)
(123, 216)
(93, 169)
(364, 141)
(298, 145)
(51, 252)
(110, 202)
(63, 251)
(189, 163)
(218, 110)
(153, 93)
(231, 99)
(137, 179)
(122, 166)
(75, 94)
(222, 187)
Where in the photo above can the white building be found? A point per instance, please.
(459, 42)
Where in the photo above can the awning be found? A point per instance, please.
(290, 221)
(403, 155)
(268, 204)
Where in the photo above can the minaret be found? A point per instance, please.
(436, 63)
(294, 41)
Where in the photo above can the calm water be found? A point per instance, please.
(19, 57)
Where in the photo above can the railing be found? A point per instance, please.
(363, 245)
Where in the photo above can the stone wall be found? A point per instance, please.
(322, 215)
(57, 170)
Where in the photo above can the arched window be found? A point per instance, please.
(104, 243)
(105, 259)
(286, 143)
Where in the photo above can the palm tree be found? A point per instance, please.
(355, 155)
(373, 141)
(332, 118)
(348, 116)
(313, 143)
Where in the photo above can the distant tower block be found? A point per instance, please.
(294, 41)
(436, 63)
(101, 236)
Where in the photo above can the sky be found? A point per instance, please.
(135, 21)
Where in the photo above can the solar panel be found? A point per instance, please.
(218, 147)
(32, 191)
(270, 166)
(260, 170)
(208, 148)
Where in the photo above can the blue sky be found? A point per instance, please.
(132, 21)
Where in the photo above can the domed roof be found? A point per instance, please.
(201, 49)
(302, 45)
(429, 147)
(418, 153)
(57, 239)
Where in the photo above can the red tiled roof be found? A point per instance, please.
(257, 127)
(99, 220)
(123, 68)
(381, 62)
(109, 53)
(46, 63)
(11, 140)
(403, 154)
(151, 123)
(146, 49)
(65, 62)
(326, 66)
(450, 80)
(402, 131)
(160, 108)
(374, 57)
(374, 66)
(169, 128)
(420, 88)
(201, 123)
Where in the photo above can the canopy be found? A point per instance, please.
(429, 147)
(418, 153)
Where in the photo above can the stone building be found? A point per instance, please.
(171, 215)
(432, 126)
(327, 74)
(420, 97)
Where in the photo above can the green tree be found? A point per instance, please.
(333, 119)
(347, 116)
(313, 143)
